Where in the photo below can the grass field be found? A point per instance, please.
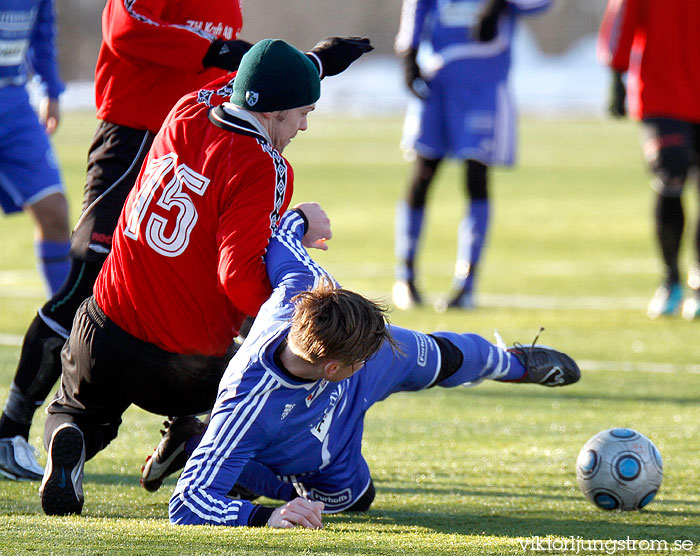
(488, 470)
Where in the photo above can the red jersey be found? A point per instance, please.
(658, 42)
(152, 53)
(186, 265)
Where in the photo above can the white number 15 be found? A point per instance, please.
(165, 173)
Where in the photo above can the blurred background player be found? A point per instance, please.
(457, 56)
(29, 175)
(658, 45)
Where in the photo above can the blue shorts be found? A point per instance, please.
(462, 118)
(28, 168)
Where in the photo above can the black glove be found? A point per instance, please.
(337, 53)
(486, 27)
(225, 54)
(415, 83)
(618, 94)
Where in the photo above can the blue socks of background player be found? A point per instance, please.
(54, 262)
(409, 223)
(470, 242)
(482, 360)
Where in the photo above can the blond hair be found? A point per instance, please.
(332, 323)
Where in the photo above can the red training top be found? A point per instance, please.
(152, 53)
(187, 263)
(659, 43)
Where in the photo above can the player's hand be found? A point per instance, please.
(49, 114)
(319, 226)
(225, 54)
(486, 27)
(299, 512)
(618, 95)
(414, 81)
(337, 53)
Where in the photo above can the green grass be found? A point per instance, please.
(462, 471)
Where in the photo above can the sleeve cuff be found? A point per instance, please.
(259, 516)
(303, 217)
(316, 60)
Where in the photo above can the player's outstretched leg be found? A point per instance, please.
(469, 358)
(62, 488)
(171, 453)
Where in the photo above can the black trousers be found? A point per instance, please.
(105, 370)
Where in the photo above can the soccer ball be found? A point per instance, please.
(619, 469)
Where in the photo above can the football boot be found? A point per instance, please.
(170, 455)
(61, 490)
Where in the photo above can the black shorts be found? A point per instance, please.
(105, 370)
(671, 148)
(115, 158)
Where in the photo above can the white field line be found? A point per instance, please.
(640, 366)
(10, 340)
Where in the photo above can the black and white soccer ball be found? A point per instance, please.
(619, 469)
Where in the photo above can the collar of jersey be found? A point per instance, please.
(233, 118)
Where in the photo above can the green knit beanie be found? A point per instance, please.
(274, 75)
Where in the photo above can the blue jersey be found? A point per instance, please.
(306, 432)
(28, 168)
(272, 427)
(468, 112)
(27, 44)
(441, 28)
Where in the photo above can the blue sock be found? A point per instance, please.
(54, 262)
(482, 360)
(409, 223)
(470, 242)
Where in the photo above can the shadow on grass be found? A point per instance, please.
(509, 526)
(569, 396)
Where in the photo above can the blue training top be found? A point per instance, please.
(305, 432)
(441, 28)
(27, 44)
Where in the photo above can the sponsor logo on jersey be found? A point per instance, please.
(251, 98)
(320, 431)
(218, 29)
(422, 347)
(332, 500)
